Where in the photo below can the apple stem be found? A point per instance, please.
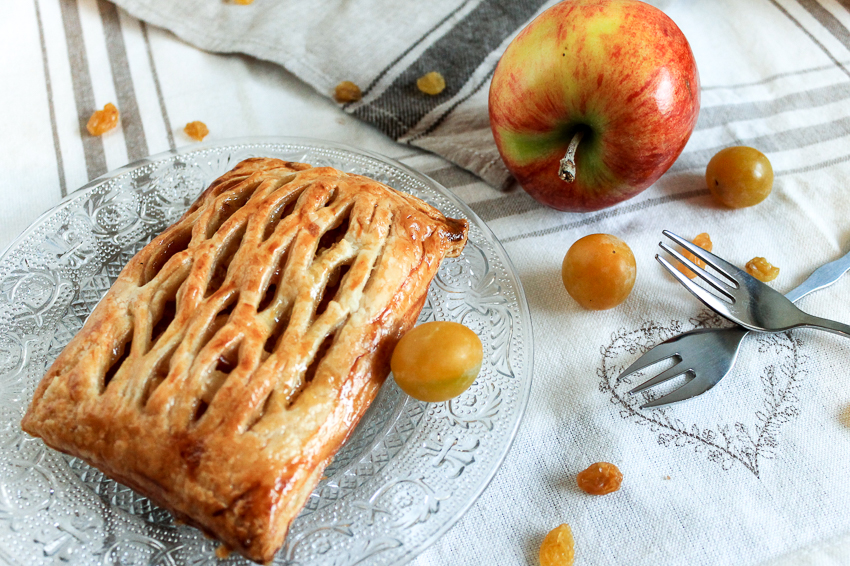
(567, 170)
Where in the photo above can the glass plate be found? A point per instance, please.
(407, 473)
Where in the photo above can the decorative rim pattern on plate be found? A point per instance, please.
(409, 471)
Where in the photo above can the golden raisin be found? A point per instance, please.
(844, 417)
(103, 120)
(762, 269)
(702, 241)
(347, 91)
(558, 548)
(222, 552)
(196, 130)
(600, 478)
(432, 83)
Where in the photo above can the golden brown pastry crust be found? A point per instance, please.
(237, 351)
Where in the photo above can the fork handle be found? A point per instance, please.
(828, 325)
(823, 276)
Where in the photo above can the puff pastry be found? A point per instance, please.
(237, 351)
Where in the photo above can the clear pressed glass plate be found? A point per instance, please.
(407, 473)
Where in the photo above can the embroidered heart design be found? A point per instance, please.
(738, 422)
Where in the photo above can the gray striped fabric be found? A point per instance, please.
(775, 75)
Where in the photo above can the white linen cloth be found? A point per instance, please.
(753, 472)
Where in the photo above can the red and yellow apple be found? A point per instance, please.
(616, 78)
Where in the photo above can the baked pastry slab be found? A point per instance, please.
(238, 350)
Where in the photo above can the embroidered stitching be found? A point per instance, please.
(724, 445)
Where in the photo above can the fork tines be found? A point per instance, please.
(724, 268)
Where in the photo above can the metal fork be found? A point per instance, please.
(709, 354)
(742, 298)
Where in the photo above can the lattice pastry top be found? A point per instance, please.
(237, 351)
